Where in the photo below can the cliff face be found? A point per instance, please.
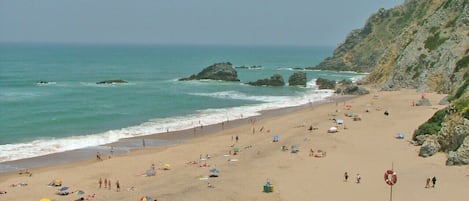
(419, 44)
(422, 45)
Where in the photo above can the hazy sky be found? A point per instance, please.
(236, 22)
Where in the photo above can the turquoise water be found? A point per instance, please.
(73, 112)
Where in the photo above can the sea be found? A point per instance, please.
(50, 101)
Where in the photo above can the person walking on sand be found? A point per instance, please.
(105, 182)
(237, 138)
(427, 184)
(358, 178)
(100, 182)
(346, 177)
(109, 184)
(433, 181)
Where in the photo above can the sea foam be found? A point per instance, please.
(40, 147)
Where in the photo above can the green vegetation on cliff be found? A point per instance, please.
(432, 126)
(421, 45)
(418, 44)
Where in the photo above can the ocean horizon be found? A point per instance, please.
(70, 111)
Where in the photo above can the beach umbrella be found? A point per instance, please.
(80, 193)
(64, 188)
(167, 165)
(45, 199)
(214, 170)
(276, 138)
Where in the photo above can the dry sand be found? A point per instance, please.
(366, 147)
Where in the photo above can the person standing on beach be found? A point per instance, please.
(358, 178)
(433, 181)
(105, 182)
(237, 138)
(109, 184)
(98, 156)
(100, 182)
(346, 176)
(143, 142)
(118, 186)
(427, 184)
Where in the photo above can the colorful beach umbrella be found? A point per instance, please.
(45, 199)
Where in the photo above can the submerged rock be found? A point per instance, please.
(112, 82)
(218, 71)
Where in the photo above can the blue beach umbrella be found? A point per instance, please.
(214, 170)
(80, 193)
(63, 188)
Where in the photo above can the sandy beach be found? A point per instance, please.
(367, 147)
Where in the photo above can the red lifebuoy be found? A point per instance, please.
(390, 177)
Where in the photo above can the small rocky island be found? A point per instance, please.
(112, 82)
(219, 71)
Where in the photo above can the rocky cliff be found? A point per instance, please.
(419, 44)
(422, 45)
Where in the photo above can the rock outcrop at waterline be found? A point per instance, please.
(275, 80)
(297, 79)
(218, 71)
(112, 82)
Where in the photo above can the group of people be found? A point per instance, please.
(432, 180)
(107, 184)
(358, 178)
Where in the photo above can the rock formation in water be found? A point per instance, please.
(111, 82)
(275, 80)
(218, 71)
(297, 79)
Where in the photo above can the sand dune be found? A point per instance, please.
(365, 147)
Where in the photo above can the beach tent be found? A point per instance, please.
(167, 166)
(332, 130)
(150, 172)
(400, 136)
(276, 138)
(56, 182)
(145, 198)
(235, 150)
(356, 117)
(295, 148)
(64, 188)
(214, 172)
(339, 121)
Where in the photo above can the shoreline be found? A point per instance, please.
(155, 140)
(367, 147)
